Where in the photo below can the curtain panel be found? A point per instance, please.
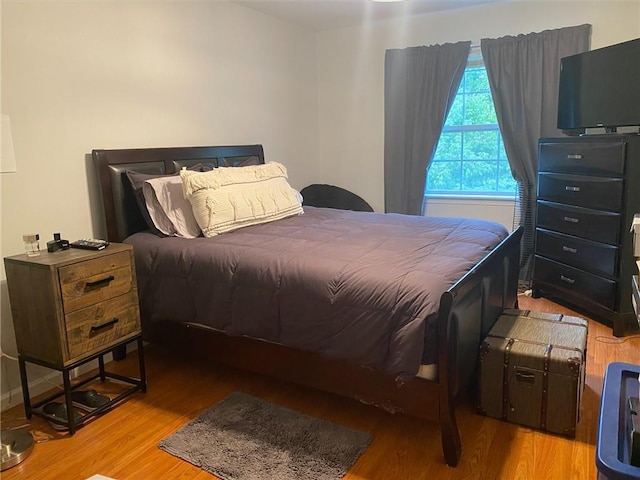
(420, 84)
(524, 76)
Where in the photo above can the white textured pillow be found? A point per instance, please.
(170, 211)
(228, 198)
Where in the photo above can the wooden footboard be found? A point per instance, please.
(467, 312)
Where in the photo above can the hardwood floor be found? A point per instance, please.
(122, 443)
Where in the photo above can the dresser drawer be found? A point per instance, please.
(594, 225)
(598, 258)
(94, 281)
(575, 282)
(100, 325)
(600, 193)
(595, 158)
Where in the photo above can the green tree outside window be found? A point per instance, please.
(470, 158)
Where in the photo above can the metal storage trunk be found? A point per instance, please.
(532, 368)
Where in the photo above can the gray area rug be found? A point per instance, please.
(246, 438)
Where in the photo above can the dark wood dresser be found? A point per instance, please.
(588, 192)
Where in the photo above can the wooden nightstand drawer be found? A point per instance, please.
(102, 325)
(94, 281)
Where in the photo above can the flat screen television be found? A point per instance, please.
(600, 88)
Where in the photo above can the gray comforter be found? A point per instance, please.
(353, 285)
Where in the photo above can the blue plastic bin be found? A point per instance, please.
(613, 445)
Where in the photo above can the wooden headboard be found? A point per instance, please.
(121, 212)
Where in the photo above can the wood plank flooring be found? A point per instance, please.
(122, 443)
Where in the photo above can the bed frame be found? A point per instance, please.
(467, 310)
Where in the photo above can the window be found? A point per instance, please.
(470, 158)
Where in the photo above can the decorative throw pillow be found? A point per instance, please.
(228, 198)
(170, 212)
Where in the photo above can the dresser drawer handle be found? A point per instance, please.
(99, 283)
(571, 220)
(570, 188)
(95, 328)
(574, 156)
(569, 249)
(568, 280)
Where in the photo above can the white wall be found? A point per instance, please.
(351, 79)
(83, 75)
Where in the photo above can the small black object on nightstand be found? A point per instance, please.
(57, 244)
(90, 244)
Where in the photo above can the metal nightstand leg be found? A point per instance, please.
(143, 374)
(71, 422)
(101, 368)
(25, 387)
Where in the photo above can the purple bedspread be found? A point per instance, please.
(360, 286)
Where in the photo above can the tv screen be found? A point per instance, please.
(600, 88)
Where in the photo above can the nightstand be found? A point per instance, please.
(70, 307)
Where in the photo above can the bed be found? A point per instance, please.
(419, 365)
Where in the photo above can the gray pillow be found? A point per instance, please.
(137, 179)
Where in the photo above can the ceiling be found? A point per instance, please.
(321, 15)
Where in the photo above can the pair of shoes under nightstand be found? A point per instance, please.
(87, 400)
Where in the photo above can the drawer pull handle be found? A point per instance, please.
(570, 188)
(574, 156)
(568, 280)
(571, 220)
(99, 283)
(113, 321)
(569, 249)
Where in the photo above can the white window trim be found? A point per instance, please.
(464, 196)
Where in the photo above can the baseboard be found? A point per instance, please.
(40, 385)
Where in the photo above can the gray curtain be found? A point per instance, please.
(524, 75)
(420, 84)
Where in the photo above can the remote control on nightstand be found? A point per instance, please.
(89, 244)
